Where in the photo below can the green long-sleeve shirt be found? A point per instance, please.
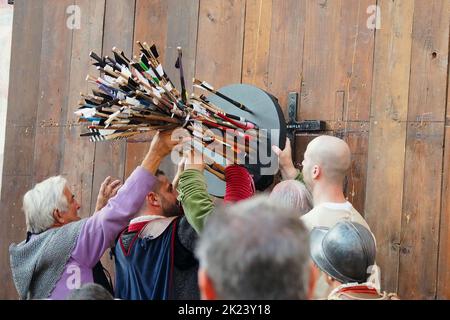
(194, 197)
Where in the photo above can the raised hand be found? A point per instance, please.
(108, 189)
(194, 160)
(180, 169)
(287, 168)
(162, 144)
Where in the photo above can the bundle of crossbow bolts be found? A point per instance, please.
(135, 96)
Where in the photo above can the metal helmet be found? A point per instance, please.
(344, 252)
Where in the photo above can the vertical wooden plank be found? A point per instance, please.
(421, 209)
(387, 138)
(182, 21)
(220, 41)
(109, 159)
(443, 290)
(78, 157)
(353, 59)
(319, 54)
(19, 139)
(424, 150)
(118, 32)
(258, 24)
(444, 239)
(355, 189)
(53, 90)
(286, 55)
(354, 73)
(150, 26)
(429, 63)
(6, 23)
(286, 48)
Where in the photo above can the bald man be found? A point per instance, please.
(326, 162)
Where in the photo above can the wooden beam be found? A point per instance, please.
(424, 150)
(286, 49)
(443, 290)
(78, 155)
(118, 31)
(219, 55)
(53, 90)
(258, 24)
(150, 25)
(182, 31)
(109, 159)
(183, 22)
(20, 130)
(443, 284)
(387, 138)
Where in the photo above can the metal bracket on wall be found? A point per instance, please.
(306, 126)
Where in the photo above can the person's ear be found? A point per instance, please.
(58, 217)
(316, 172)
(153, 199)
(314, 274)
(330, 280)
(206, 286)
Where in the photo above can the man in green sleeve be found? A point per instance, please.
(193, 195)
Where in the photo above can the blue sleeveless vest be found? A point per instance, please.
(144, 266)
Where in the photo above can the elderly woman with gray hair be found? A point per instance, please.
(292, 194)
(62, 250)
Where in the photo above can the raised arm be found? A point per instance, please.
(194, 197)
(192, 192)
(287, 168)
(101, 229)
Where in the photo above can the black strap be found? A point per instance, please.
(102, 277)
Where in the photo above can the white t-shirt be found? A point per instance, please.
(327, 214)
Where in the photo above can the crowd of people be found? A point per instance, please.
(171, 240)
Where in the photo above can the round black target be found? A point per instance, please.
(268, 116)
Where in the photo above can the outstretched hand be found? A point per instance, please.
(287, 168)
(162, 144)
(108, 189)
(194, 160)
(180, 169)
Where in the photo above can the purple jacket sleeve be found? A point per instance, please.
(101, 229)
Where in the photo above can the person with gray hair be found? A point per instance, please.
(62, 251)
(292, 194)
(254, 250)
(90, 291)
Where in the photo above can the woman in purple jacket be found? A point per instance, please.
(62, 249)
